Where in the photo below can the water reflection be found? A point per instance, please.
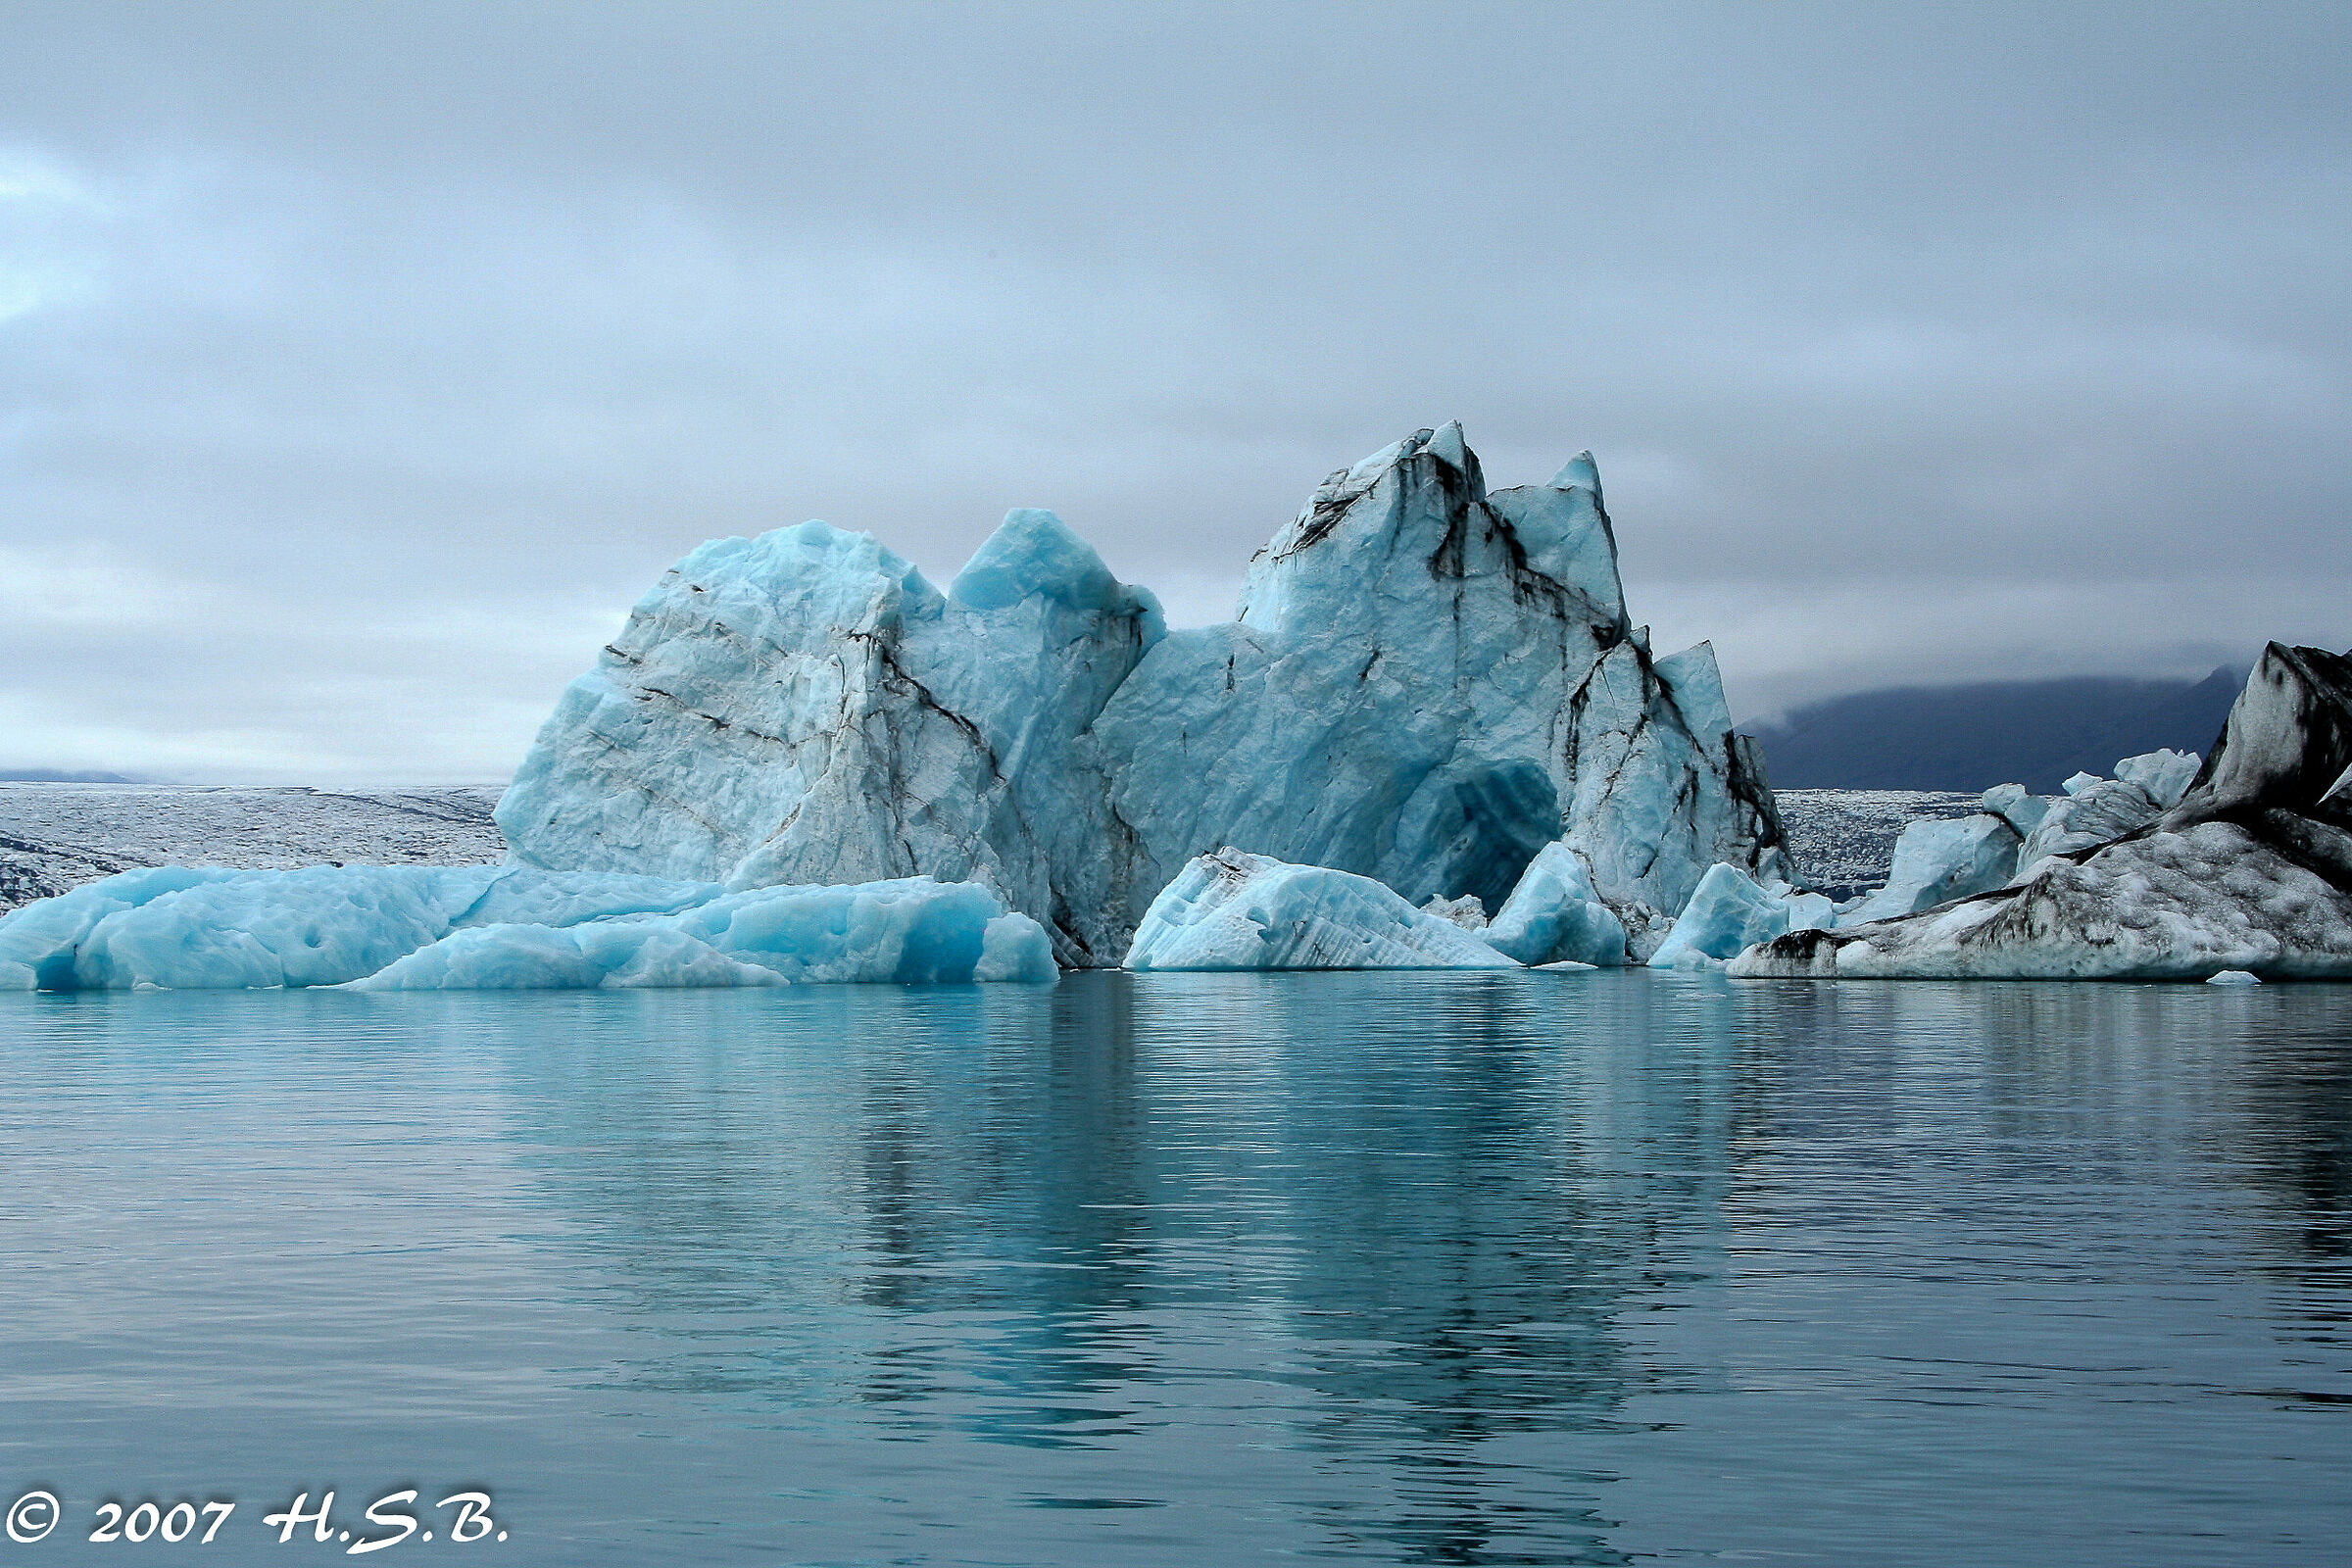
(1365, 1222)
(1459, 1269)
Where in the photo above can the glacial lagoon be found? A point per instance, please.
(1222, 1269)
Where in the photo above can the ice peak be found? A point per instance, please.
(1034, 553)
(1579, 472)
(1447, 444)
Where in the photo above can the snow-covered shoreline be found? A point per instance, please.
(59, 836)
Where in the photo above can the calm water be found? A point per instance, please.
(1198, 1269)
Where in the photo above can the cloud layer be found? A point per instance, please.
(360, 364)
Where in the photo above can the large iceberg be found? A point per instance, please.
(417, 928)
(1426, 684)
(2250, 869)
(1235, 910)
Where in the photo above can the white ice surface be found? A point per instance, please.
(2164, 776)
(912, 931)
(2101, 810)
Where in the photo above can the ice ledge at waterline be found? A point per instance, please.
(479, 927)
(1426, 684)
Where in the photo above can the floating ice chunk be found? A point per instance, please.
(2164, 776)
(181, 929)
(911, 931)
(1015, 949)
(39, 942)
(806, 708)
(1727, 913)
(509, 926)
(1810, 911)
(1234, 911)
(536, 957)
(1941, 861)
(1465, 911)
(1553, 914)
(2165, 906)
(2234, 977)
(2015, 805)
(2103, 809)
(2250, 873)
(1566, 966)
(2080, 782)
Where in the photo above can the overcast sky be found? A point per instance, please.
(360, 364)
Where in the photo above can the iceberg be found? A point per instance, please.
(2103, 809)
(1937, 861)
(1554, 916)
(805, 707)
(2168, 907)
(1466, 911)
(914, 931)
(1235, 910)
(2163, 776)
(1729, 911)
(411, 926)
(2014, 804)
(1426, 683)
(2250, 869)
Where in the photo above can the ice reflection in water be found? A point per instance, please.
(1455, 1269)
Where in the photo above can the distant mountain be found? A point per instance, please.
(50, 775)
(2034, 733)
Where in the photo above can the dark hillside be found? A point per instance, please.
(2034, 733)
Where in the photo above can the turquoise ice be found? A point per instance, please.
(1426, 683)
(409, 927)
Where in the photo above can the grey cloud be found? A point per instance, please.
(389, 351)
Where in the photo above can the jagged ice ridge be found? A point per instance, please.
(1426, 683)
